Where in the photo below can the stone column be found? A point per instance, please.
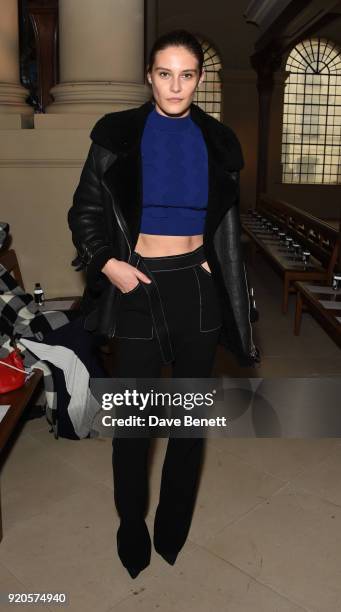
(101, 56)
(266, 62)
(12, 93)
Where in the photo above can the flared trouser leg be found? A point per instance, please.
(130, 465)
(133, 359)
(180, 476)
(194, 345)
(184, 456)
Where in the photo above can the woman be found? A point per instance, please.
(156, 224)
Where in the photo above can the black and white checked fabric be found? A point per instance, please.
(20, 315)
(20, 318)
(4, 231)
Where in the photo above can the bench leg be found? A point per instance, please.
(252, 251)
(298, 314)
(285, 295)
(0, 516)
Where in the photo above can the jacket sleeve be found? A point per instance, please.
(86, 221)
(228, 244)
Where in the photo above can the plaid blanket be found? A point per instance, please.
(20, 315)
(20, 318)
(4, 230)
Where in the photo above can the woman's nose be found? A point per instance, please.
(175, 85)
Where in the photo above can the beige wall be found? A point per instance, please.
(39, 171)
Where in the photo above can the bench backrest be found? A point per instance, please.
(9, 260)
(321, 239)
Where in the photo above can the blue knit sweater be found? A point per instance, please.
(175, 176)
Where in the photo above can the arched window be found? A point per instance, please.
(208, 94)
(312, 114)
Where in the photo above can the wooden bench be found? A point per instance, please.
(324, 303)
(18, 400)
(314, 235)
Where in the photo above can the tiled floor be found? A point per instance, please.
(265, 535)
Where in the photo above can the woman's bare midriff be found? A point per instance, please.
(154, 245)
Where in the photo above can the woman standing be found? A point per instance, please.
(155, 222)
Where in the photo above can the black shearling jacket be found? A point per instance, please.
(105, 219)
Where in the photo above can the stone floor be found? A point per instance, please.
(266, 533)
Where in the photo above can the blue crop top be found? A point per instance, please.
(175, 176)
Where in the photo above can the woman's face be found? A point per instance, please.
(174, 78)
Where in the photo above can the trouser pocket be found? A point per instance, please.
(210, 318)
(134, 320)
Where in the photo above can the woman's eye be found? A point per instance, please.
(165, 74)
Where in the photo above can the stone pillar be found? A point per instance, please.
(43, 15)
(265, 63)
(101, 56)
(12, 93)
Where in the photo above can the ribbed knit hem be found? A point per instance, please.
(94, 275)
(165, 226)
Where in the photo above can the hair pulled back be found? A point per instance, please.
(177, 38)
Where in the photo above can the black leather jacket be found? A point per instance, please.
(106, 213)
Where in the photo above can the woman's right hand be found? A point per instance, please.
(125, 276)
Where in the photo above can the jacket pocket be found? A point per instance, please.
(101, 318)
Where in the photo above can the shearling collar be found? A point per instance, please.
(121, 132)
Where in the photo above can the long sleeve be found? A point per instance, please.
(232, 267)
(86, 219)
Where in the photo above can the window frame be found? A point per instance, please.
(311, 58)
(213, 68)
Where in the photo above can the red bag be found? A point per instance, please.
(12, 372)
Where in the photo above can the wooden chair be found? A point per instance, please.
(9, 260)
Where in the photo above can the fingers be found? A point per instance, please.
(141, 276)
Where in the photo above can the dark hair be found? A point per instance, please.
(177, 38)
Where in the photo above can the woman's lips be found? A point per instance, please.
(174, 99)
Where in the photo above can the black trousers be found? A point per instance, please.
(181, 326)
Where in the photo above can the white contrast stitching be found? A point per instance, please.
(138, 338)
(139, 284)
(249, 317)
(203, 330)
(169, 340)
